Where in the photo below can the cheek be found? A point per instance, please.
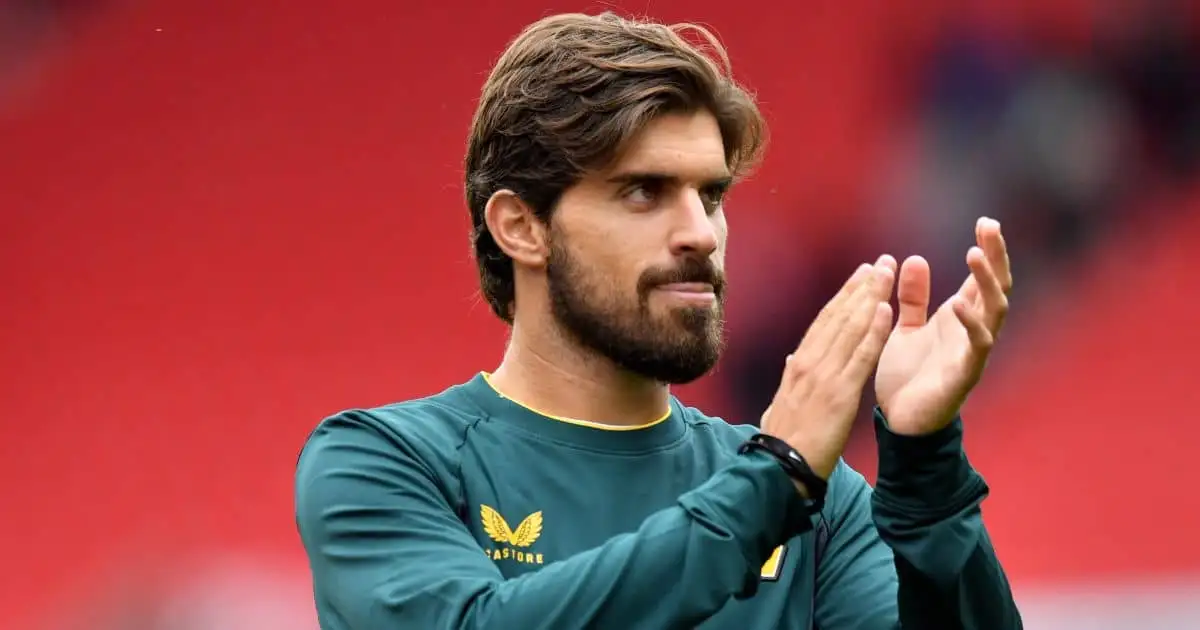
(603, 267)
(611, 248)
(617, 257)
(619, 272)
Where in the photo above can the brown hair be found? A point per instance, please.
(568, 94)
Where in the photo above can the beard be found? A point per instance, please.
(674, 348)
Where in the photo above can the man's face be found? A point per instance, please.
(636, 266)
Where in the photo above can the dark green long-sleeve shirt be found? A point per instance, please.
(468, 510)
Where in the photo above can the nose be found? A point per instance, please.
(695, 233)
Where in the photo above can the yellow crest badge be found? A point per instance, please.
(511, 543)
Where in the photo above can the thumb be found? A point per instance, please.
(912, 293)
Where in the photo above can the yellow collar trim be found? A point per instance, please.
(487, 378)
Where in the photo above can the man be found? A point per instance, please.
(568, 489)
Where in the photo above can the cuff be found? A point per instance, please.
(926, 474)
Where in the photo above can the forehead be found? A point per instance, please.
(685, 145)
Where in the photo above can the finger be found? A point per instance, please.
(886, 261)
(866, 355)
(991, 296)
(839, 322)
(977, 332)
(820, 333)
(828, 322)
(912, 292)
(861, 315)
(991, 240)
(843, 294)
(969, 290)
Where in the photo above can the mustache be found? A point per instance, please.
(691, 270)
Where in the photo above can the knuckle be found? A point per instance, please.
(800, 366)
(820, 388)
(861, 321)
(865, 353)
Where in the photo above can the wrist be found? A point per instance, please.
(808, 483)
(909, 425)
(807, 449)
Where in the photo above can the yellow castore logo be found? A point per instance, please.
(498, 530)
(512, 542)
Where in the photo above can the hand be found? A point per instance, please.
(822, 384)
(930, 364)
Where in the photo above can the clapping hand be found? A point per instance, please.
(931, 363)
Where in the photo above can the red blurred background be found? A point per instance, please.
(221, 221)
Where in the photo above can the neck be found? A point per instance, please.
(554, 375)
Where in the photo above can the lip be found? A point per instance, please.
(700, 293)
(687, 287)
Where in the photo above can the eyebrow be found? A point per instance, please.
(641, 177)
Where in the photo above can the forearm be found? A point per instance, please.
(926, 508)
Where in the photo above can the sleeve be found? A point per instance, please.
(388, 551)
(914, 552)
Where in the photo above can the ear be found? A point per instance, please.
(516, 230)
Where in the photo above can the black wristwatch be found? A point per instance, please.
(794, 465)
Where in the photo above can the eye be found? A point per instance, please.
(713, 197)
(644, 193)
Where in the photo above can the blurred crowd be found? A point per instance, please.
(1062, 141)
(29, 29)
